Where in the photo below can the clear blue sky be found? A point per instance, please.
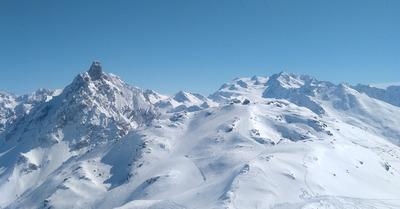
(196, 46)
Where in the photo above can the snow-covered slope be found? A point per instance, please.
(184, 101)
(12, 106)
(389, 95)
(284, 141)
(95, 108)
(239, 89)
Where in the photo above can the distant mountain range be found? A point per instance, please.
(284, 141)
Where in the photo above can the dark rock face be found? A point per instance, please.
(96, 71)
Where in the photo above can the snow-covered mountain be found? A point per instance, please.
(283, 141)
(13, 107)
(389, 95)
(184, 101)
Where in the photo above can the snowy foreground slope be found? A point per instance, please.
(285, 141)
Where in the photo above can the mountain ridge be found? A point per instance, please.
(283, 141)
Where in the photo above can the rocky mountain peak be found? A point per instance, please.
(95, 71)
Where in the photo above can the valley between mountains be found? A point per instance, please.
(282, 141)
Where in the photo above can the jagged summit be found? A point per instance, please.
(290, 80)
(181, 96)
(91, 103)
(95, 71)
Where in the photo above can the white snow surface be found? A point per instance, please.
(284, 141)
